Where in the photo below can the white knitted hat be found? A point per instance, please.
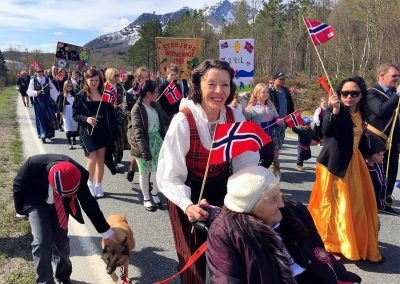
(246, 187)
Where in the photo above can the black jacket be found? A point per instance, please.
(379, 109)
(138, 129)
(234, 257)
(274, 97)
(338, 141)
(31, 188)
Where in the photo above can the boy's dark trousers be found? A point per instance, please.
(303, 154)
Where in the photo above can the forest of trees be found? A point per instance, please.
(367, 35)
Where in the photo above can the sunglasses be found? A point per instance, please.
(353, 94)
(116, 76)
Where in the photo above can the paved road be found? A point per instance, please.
(154, 257)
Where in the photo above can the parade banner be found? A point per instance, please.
(185, 52)
(239, 53)
(71, 56)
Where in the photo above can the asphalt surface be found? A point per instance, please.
(154, 257)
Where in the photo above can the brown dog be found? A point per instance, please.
(118, 254)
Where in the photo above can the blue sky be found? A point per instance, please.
(35, 24)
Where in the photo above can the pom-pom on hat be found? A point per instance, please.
(65, 178)
(246, 187)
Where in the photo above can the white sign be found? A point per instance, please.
(239, 53)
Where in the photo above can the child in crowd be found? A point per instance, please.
(374, 155)
(64, 105)
(305, 135)
(146, 136)
(318, 117)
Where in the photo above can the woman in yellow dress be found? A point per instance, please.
(342, 201)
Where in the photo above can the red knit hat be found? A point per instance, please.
(64, 177)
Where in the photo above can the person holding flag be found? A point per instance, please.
(96, 117)
(146, 135)
(172, 91)
(261, 110)
(342, 202)
(184, 158)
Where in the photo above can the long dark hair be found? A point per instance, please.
(363, 88)
(90, 74)
(201, 70)
(266, 238)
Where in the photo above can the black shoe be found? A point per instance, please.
(389, 200)
(149, 205)
(130, 175)
(157, 201)
(71, 147)
(389, 210)
(44, 140)
(68, 281)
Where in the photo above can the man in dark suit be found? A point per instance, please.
(381, 103)
(46, 190)
(283, 102)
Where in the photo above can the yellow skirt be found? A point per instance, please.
(344, 211)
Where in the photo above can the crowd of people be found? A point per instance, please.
(356, 127)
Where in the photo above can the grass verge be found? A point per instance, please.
(15, 252)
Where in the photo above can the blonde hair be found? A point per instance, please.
(66, 83)
(139, 71)
(110, 73)
(255, 96)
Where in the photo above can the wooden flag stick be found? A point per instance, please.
(97, 113)
(396, 116)
(206, 172)
(319, 56)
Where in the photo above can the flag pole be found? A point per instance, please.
(206, 171)
(97, 113)
(319, 56)
(282, 118)
(396, 115)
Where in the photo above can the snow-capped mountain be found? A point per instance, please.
(222, 12)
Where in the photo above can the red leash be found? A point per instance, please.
(195, 256)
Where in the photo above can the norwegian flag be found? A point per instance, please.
(294, 119)
(35, 65)
(249, 47)
(320, 32)
(172, 93)
(232, 139)
(322, 82)
(224, 45)
(292, 90)
(110, 89)
(108, 95)
(59, 77)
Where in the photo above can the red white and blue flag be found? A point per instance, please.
(294, 119)
(320, 32)
(233, 139)
(172, 93)
(108, 95)
(292, 90)
(59, 77)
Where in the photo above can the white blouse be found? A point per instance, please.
(32, 93)
(172, 171)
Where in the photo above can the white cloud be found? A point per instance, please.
(58, 33)
(98, 15)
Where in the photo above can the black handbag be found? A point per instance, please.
(87, 142)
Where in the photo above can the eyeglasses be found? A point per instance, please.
(116, 76)
(353, 94)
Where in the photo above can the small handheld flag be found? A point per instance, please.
(320, 32)
(294, 119)
(59, 77)
(35, 65)
(233, 139)
(172, 93)
(324, 84)
(108, 95)
(292, 90)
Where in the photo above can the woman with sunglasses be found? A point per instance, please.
(64, 106)
(342, 201)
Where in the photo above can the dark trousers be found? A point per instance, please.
(302, 155)
(393, 164)
(50, 243)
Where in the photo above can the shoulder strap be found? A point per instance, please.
(380, 92)
(229, 115)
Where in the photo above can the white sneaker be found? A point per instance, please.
(99, 191)
(91, 188)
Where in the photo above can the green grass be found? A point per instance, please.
(15, 258)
